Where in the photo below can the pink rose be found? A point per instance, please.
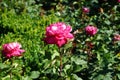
(58, 33)
(116, 37)
(91, 30)
(85, 10)
(12, 49)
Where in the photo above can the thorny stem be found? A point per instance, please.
(11, 69)
(61, 65)
(89, 54)
(10, 75)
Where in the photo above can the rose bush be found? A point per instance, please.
(94, 54)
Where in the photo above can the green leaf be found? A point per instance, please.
(98, 56)
(34, 74)
(76, 77)
(107, 22)
(103, 77)
(6, 77)
(26, 78)
(3, 66)
(67, 67)
(55, 54)
(99, 77)
(78, 68)
(80, 62)
(107, 77)
(118, 75)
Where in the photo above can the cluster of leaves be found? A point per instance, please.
(86, 58)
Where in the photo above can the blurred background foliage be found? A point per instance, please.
(25, 21)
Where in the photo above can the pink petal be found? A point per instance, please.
(61, 42)
(50, 40)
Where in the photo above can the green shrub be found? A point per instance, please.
(25, 21)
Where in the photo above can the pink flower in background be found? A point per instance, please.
(119, 1)
(116, 37)
(85, 10)
(58, 33)
(91, 30)
(12, 49)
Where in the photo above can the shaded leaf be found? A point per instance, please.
(34, 74)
